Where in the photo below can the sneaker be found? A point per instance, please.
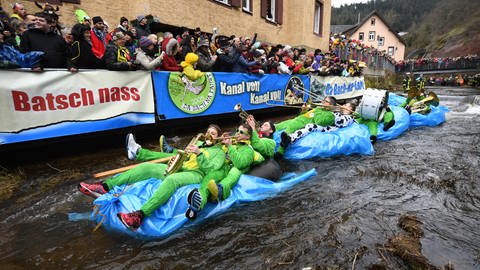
(131, 220)
(285, 139)
(194, 200)
(164, 146)
(131, 146)
(216, 190)
(94, 190)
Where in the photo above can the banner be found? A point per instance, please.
(339, 87)
(218, 93)
(58, 103)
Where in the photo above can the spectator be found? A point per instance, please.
(227, 56)
(81, 54)
(123, 26)
(166, 38)
(142, 27)
(169, 63)
(98, 37)
(205, 59)
(145, 55)
(12, 58)
(117, 56)
(242, 64)
(18, 13)
(42, 38)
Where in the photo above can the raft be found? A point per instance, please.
(432, 119)
(171, 216)
(354, 139)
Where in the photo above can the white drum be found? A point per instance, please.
(373, 103)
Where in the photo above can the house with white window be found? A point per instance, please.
(375, 32)
(294, 22)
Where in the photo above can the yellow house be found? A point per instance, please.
(295, 22)
(374, 32)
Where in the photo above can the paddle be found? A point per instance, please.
(126, 168)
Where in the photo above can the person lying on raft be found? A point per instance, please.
(262, 140)
(319, 115)
(344, 118)
(240, 156)
(420, 103)
(388, 120)
(204, 161)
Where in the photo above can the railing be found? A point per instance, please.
(373, 58)
(438, 64)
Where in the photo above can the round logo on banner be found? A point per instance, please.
(294, 91)
(192, 97)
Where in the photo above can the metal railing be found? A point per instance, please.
(373, 58)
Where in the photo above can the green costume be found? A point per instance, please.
(264, 146)
(146, 155)
(315, 116)
(207, 163)
(372, 125)
(242, 157)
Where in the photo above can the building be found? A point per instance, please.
(295, 22)
(374, 31)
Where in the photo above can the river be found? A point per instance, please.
(339, 219)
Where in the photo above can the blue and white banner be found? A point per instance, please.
(339, 87)
(50, 104)
(217, 93)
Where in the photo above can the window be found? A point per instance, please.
(372, 21)
(360, 36)
(317, 18)
(272, 10)
(226, 2)
(247, 5)
(371, 36)
(390, 51)
(381, 41)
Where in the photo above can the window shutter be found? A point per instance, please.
(263, 8)
(279, 11)
(236, 3)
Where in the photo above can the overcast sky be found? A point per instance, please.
(337, 3)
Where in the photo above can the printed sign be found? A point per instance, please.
(58, 103)
(218, 93)
(339, 87)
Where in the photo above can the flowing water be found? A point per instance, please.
(338, 219)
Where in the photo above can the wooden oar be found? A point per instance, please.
(126, 168)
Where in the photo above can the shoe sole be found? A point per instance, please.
(126, 225)
(92, 193)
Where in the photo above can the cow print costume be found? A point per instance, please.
(341, 120)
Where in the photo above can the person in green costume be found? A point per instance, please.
(320, 116)
(241, 156)
(204, 161)
(388, 120)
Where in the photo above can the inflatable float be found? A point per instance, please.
(432, 119)
(171, 216)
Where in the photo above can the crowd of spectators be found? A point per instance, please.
(438, 63)
(352, 49)
(454, 80)
(39, 41)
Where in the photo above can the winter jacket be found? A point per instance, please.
(145, 61)
(82, 57)
(112, 61)
(98, 46)
(53, 45)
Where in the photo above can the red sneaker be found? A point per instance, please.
(131, 220)
(94, 190)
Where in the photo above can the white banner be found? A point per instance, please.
(339, 87)
(31, 100)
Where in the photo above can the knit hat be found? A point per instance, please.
(203, 42)
(97, 19)
(118, 35)
(145, 42)
(140, 17)
(123, 19)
